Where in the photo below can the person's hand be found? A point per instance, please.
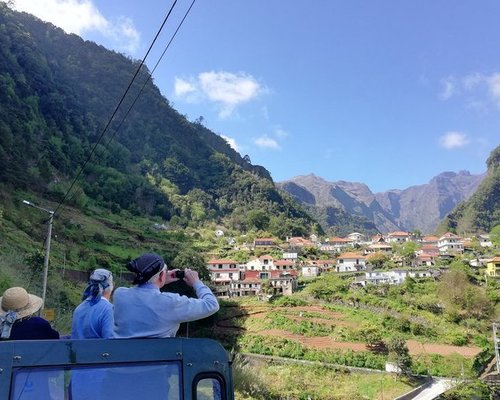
(170, 276)
(191, 277)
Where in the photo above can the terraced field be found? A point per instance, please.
(321, 316)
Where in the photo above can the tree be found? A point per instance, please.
(495, 236)
(189, 258)
(407, 251)
(373, 337)
(377, 259)
(460, 297)
(400, 355)
(258, 219)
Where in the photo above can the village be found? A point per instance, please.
(366, 261)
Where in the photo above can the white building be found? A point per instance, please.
(263, 263)
(393, 277)
(450, 243)
(350, 262)
(222, 274)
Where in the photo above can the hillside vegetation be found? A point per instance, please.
(57, 94)
(481, 213)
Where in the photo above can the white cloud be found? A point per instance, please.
(82, 16)
(226, 89)
(449, 87)
(280, 133)
(472, 81)
(493, 83)
(267, 143)
(183, 88)
(478, 88)
(231, 142)
(453, 140)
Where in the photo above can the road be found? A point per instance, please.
(438, 386)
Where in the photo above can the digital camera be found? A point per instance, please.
(179, 274)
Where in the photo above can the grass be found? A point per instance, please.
(292, 381)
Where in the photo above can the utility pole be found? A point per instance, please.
(47, 248)
(495, 340)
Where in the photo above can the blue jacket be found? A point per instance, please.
(93, 321)
(143, 311)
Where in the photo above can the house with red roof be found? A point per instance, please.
(222, 273)
(251, 284)
(379, 247)
(398, 237)
(450, 243)
(350, 262)
(299, 242)
(339, 243)
(284, 265)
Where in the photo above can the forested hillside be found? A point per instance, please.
(481, 213)
(58, 92)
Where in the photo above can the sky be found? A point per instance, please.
(389, 93)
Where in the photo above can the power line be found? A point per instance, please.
(149, 76)
(116, 108)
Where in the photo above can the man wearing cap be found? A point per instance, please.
(143, 311)
(17, 319)
(93, 318)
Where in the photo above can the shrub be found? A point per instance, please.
(289, 301)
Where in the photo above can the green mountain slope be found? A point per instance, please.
(57, 93)
(481, 213)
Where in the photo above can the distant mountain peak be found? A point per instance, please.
(416, 207)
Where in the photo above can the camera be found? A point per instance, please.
(179, 274)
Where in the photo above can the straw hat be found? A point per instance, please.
(19, 300)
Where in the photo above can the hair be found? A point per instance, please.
(110, 286)
(156, 276)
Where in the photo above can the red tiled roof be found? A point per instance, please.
(339, 239)
(399, 233)
(283, 262)
(448, 235)
(351, 255)
(222, 262)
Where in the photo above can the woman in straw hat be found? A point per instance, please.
(17, 319)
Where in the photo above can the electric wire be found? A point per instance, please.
(82, 168)
(117, 129)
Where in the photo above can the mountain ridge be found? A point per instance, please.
(419, 207)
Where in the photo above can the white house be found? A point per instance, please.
(263, 263)
(450, 243)
(222, 274)
(356, 237)
(283, 265)
(379, 248)
(398, 237)
(393, 277)
(348, 262)
(485, 241)
(290, 257)
(339, 243)
(309, 271)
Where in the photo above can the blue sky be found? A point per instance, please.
(385, 92)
